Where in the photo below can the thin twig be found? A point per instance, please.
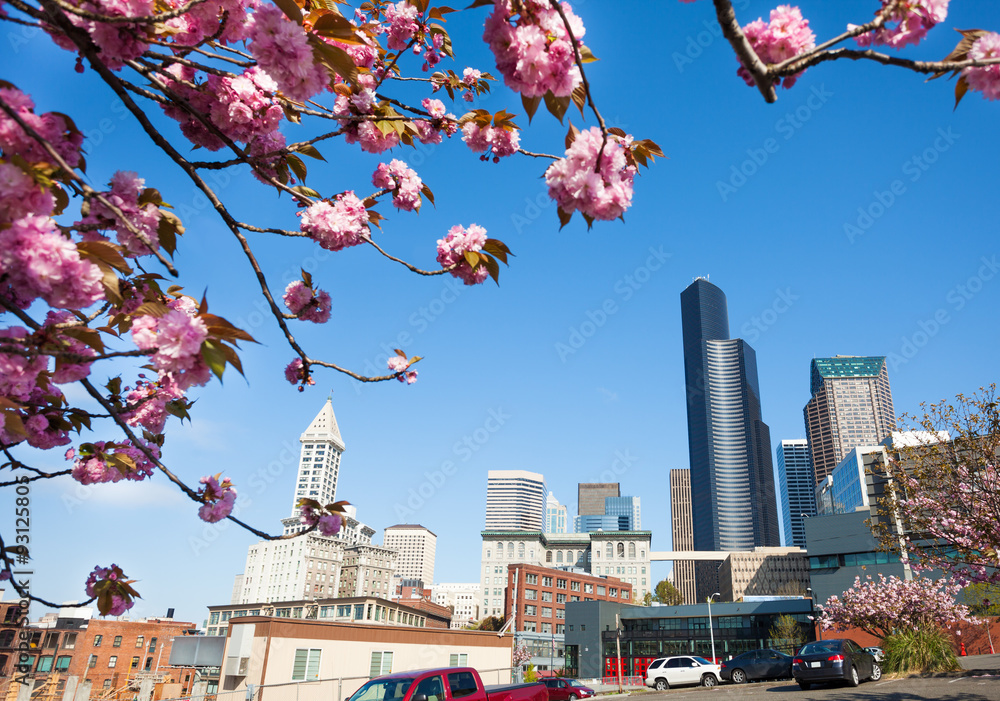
(537, 155)
(367, 239)
(115, 19)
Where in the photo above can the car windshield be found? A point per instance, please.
(817, 647)
(383, 690)
(701, 660)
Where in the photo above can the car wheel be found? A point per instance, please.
(854, 679)
(805, 686)
(661, 685)
(876, 672)
(572, 697)
(739, 676)
(709, 680)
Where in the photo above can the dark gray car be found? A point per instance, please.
(834, 660)
(757, 664)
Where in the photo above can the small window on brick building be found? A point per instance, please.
(97, 640)
(140, 640)
(118, 641)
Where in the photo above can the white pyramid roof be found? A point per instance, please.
(324, 427)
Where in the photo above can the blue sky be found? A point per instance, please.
(916, 279)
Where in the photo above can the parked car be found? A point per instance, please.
(666, 672)
(878, 652)
(757, 664)
(445, 684)
(561, 689)
(834, 660)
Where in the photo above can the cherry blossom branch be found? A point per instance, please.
(367, 239)
(537, 155)
(115, 19)
(360, 378)
(885, 59)
(733, 33)
(86, 189)
(197, 49)
(578, 59)
(291, 148)
(167, 60)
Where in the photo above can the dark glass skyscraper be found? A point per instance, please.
(732, 483)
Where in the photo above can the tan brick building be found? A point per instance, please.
(542, 594)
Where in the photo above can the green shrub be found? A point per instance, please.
(922, 650)
(530, 675)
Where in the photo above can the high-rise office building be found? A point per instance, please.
(797, 487)
(851, 405)
(620, 514)
(555, 515)
(590, 497)
(515, 500)
(732, 483)
(682, 533)
(416, 547)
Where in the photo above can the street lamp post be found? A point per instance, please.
(812, 613)
(711, 631)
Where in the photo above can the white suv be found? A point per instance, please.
(666, 672)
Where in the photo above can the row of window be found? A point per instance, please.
(822, 562)
(140, 641)
(306, 664)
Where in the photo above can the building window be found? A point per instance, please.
(118, 641)
(575, 586)
(152, 645)
(459, 659)
(112, 661)
(69, 641)
(631, 550)
(140, 641)
(546, 581)
(621, 550)
(135, 663)
(588, 588)
(548, 556)
(51, 640)
(306, 664)
(107, 683)
(530, 610)
(381, 663)
(559, 556)
(44, 664)
(92, 662)
(560, 584)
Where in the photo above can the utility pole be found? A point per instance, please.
(618, 646)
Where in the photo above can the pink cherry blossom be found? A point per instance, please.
(785, 36)
(339, 225)
(402, 181)
(327, 523)
(20, 195)
(533, 51)
(18, 373)
(451, 250)
(147, 405)
(37, 260)
(986, 79)
(295, 374)
(67, 370)
(402, 25)
(574, 184)
(126, 188)
(113, 462)
(282, 50)
(306, 303)
(52, 127)
(906, 24)
(219, 499)
(499, 141)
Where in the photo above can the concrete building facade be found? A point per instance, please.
(764, 572)
(590, 497)
(555, 515)
(463, 598)
(681, 533)
(416, 547)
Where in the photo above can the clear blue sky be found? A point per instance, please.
(920, 281)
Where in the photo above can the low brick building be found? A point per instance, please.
(542, 594)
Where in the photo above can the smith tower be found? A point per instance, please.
(319, 464)
(732, 485)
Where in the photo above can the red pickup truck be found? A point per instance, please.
(444, 684)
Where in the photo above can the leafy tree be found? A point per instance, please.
(667, 593)
(787, 632)
(942, 505)
(530, 675)
(492, 623)
(982, 599)
(890, 605)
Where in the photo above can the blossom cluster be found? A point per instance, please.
(282, 50)
(886, 605)
(500, 141)
(451, 251)
(108, 461)
(534, 51)
(306, 303)
(785, 36)
(118, 41)
(400, 363)
(176, 339)
(364, 132)
(111, 589)
(985, 79)
(328, 523)
(337, 225)
(147, 405)
(577, 183)
(218, 497)
(143, 217)
(906, 23)
(402, 181)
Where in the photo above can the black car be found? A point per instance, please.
(834, 660)
(757, 664)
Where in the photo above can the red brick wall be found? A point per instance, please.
(164, 631)
(571, 577)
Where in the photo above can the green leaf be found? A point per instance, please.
(297, 166)
(309, 150)
(586, 55)
(214, 358)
